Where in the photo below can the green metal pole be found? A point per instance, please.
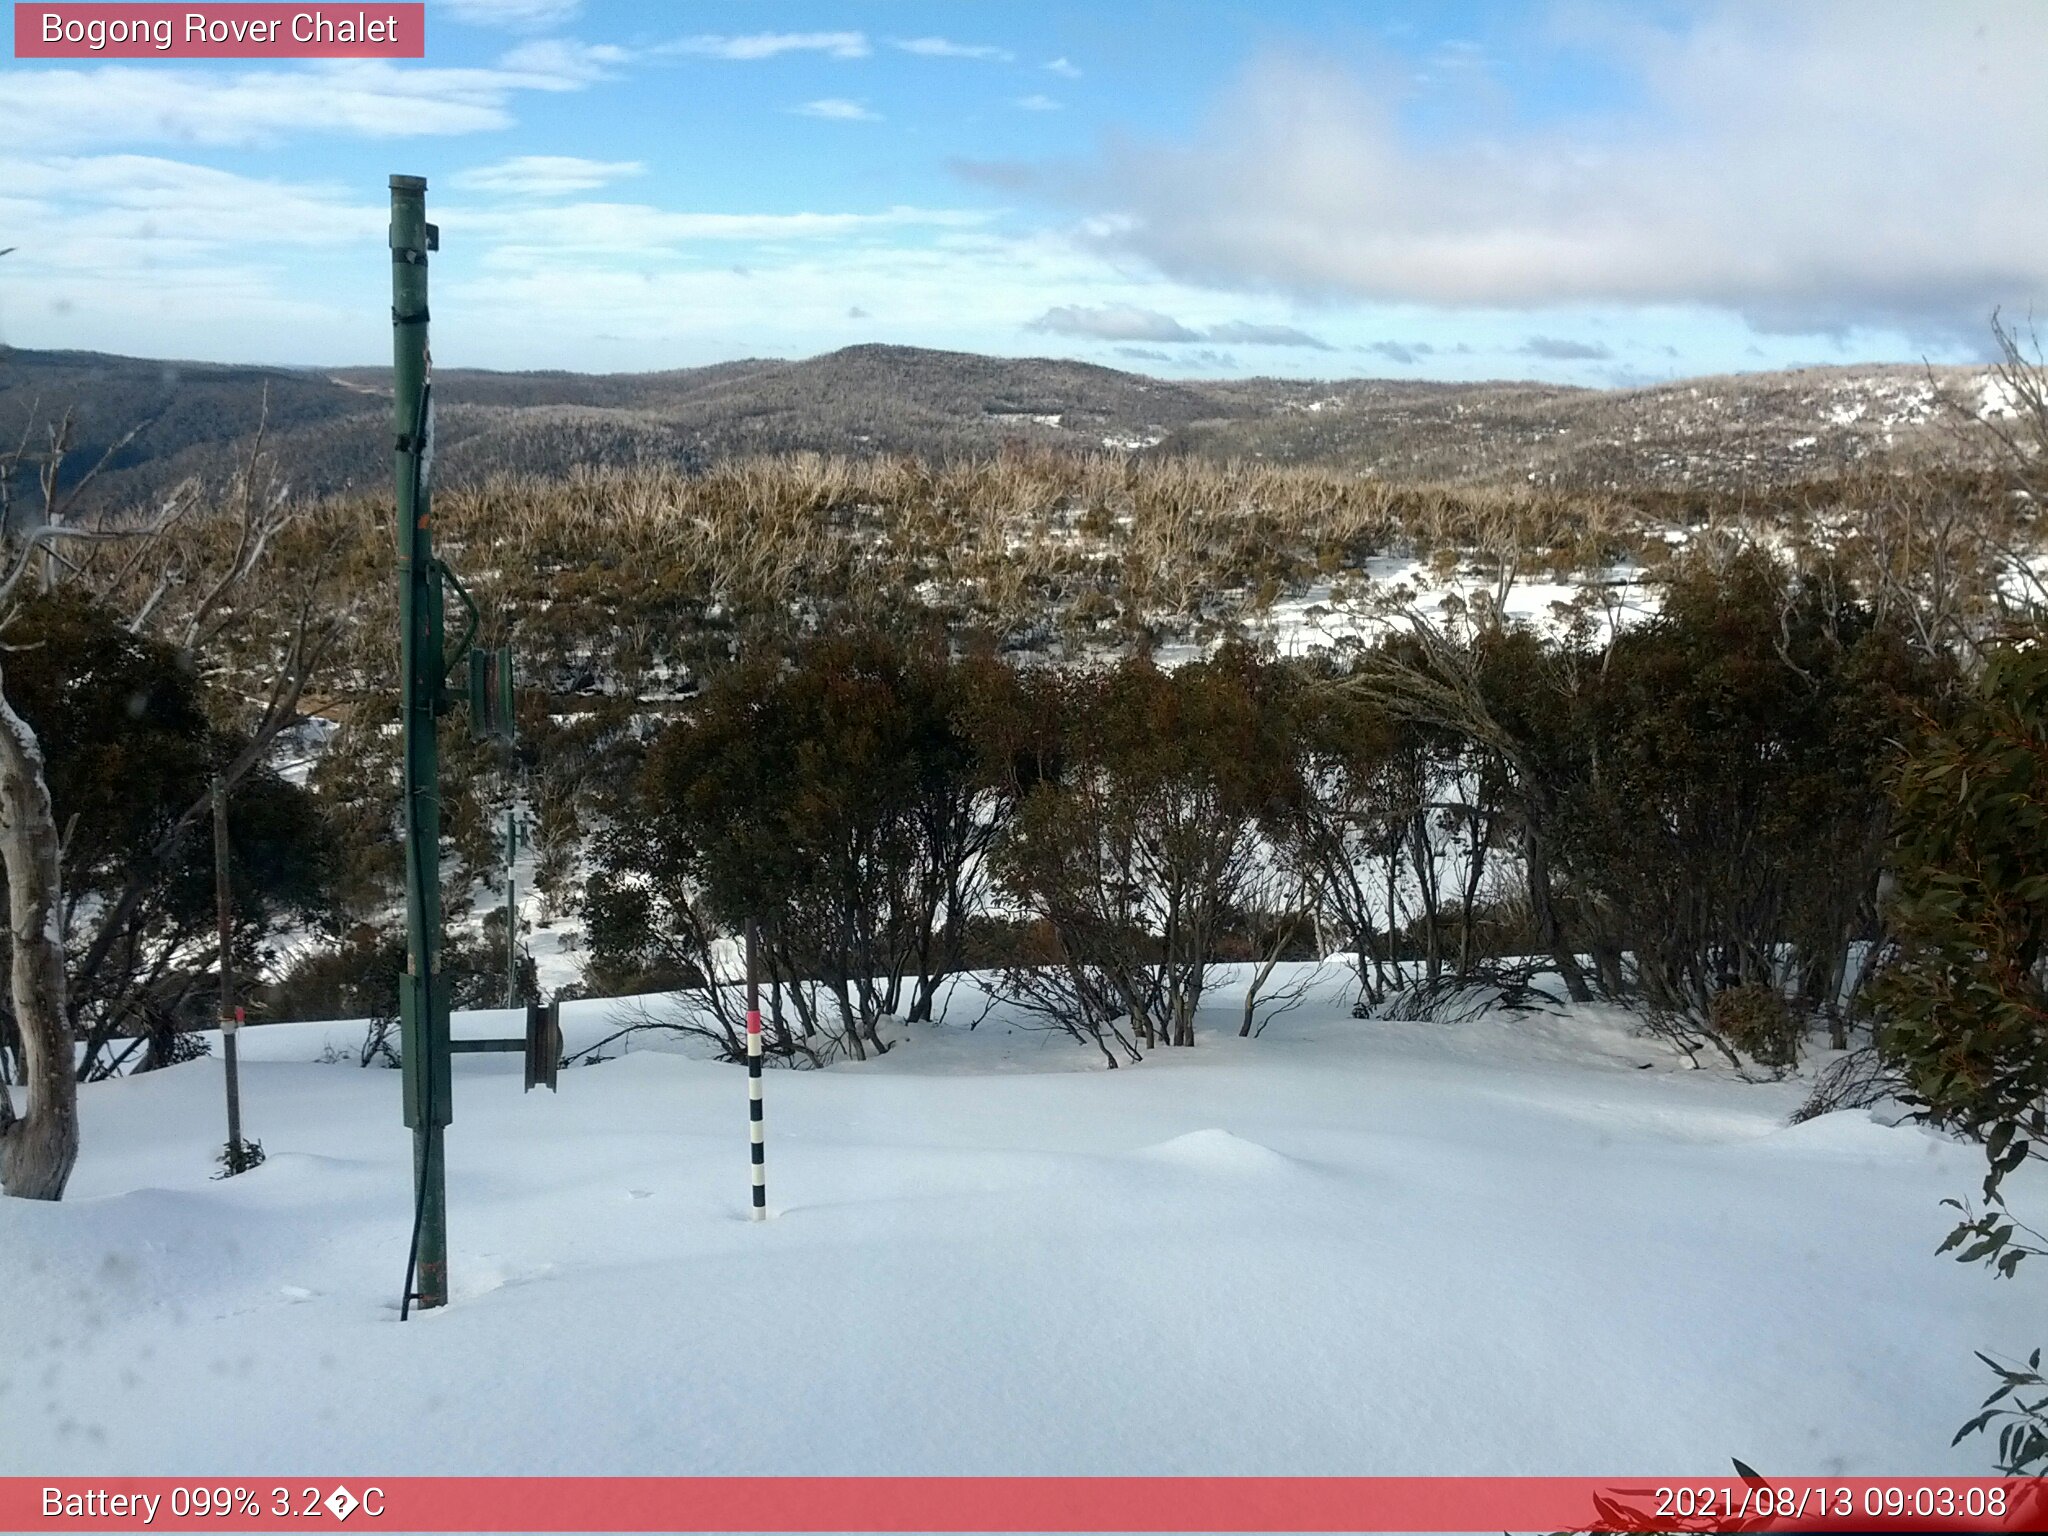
(423, 996)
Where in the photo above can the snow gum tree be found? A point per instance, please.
(1730, 821)
(39, 1143)
(39, 1147)
(1138, 848)
(179, 576)
(129, 745)
(826, 792)
(1697, 803)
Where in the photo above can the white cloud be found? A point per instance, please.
(1037, 103)
(367, 98)
(561, 59)
(1562, 349)
(151, 256)
(518, 15)
(1112, 322)
(1127, 322)
(946, 48)
(129, 212)
(1249, 334)
(1798, 165)
(1063, 68)
(545, 175)
(956, 291)
(768, 45)
(144, 256)
(625, 232)
(837, 107)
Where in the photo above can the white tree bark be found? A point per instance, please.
(38, 1147)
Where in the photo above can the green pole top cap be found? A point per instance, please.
(408, 183)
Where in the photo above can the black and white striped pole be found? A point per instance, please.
(757, 1148)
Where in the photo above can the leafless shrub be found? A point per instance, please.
(1859, 1080)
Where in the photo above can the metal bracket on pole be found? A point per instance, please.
(491, 715)
(543, 1045)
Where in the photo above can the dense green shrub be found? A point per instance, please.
(1727, 823)
(833, 798)
(1965, 1001)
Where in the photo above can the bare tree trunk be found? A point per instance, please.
(1475, 870)
(1251, 993)
(1549, 930)
(1422, 848)
(39, 1147)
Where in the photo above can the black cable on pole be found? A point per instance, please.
(425, 1068)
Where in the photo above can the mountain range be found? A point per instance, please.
(328, 430)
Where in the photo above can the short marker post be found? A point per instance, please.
(240, 1155)
(757, 1149)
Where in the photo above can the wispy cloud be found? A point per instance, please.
(1036, 103)
(128, 253)
(1064, 68)
(364, 98)
(518, 15)
(112, 212)
(1123, 322)
(946, 48)
(1245, 333)
(769, 45)
(839, 108)
(565, 60)
(545, 175)
(623, 232)
(1559, 349)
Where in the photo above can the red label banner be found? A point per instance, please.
(220, 31)
(1021, 1504)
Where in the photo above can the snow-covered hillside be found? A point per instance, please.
(1346, 1247)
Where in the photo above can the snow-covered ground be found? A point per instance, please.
(1380, 596)
(1346, 1247)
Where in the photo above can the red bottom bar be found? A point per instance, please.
(1021, 1504)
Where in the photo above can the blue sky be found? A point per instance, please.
(1593, 193)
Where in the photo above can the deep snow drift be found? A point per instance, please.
(1345, 1247)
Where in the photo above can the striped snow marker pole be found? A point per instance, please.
(757, 1149)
